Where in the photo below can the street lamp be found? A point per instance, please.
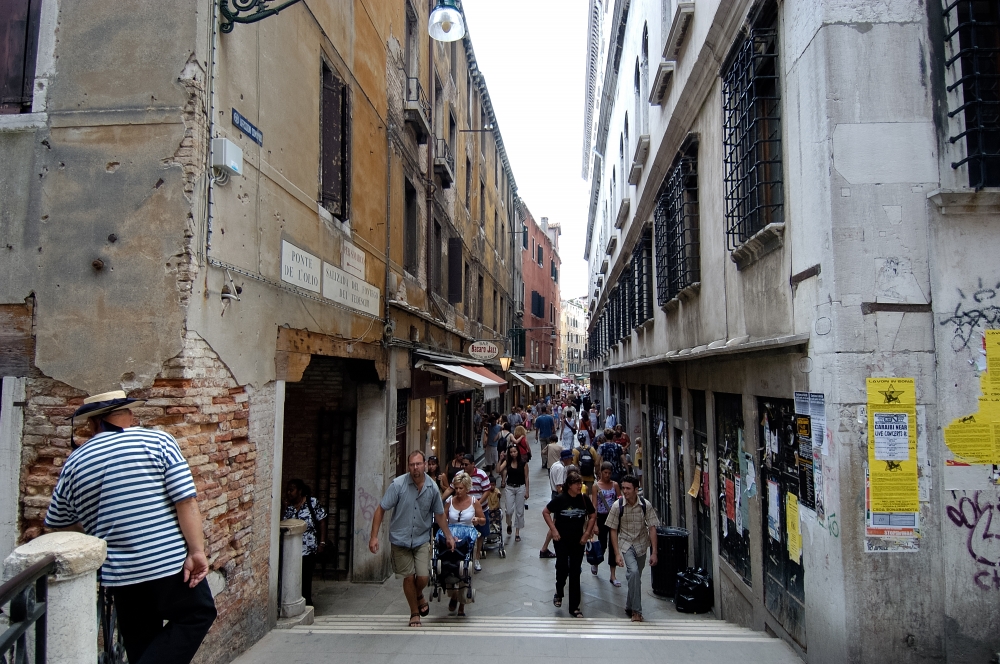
(505, 362)
(446, 23)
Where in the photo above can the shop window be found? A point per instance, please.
(730, 451)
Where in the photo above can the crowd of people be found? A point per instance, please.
(594, 500)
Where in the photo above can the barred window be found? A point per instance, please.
(751, 111)
(628, 288)
(678, 262)
(642, 277)
(973, 37)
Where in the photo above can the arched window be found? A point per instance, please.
(626, 155)
(639, 101)
(643, 84)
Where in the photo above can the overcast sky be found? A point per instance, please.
(533, 56)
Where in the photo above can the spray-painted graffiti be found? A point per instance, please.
(980, 309)
(982, 519)
(367, 503)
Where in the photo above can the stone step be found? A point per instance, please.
(591, 628)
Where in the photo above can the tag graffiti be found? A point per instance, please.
(982, 519)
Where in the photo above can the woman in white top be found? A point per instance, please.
(463, 510)
(568, 429)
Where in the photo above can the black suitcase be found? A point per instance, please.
(694, 591)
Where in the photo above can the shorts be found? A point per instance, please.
(409, 562)
(484, 529)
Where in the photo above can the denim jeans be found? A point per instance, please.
(633, 573)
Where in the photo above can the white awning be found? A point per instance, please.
(544, 378)
(491, 388)
(520, 378)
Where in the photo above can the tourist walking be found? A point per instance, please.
(514, 481)
(604, 494)
(570, 518)
(551, 452)
(434, 470)
(491, 439)
(300, 505)
(416, 504)
(544, 426)
(613, 453)
(557, 478)
(463, 510)
(632, 523)
(568, 429)
(610, 421)
(132, 487)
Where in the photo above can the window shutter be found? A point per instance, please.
(334, 148)
(454, 270)
(18, 49)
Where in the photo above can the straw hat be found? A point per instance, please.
(107, 402)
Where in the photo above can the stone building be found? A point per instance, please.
(790, 251)
(283, 234)
(573, 335)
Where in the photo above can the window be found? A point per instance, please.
(482, 135)
(643, 112)
(537, 305)
(541, 259)
(642, 270)
(470, 95)
(496, 232)
(496, 310)
(452, 130)
(479, 300)
(454, 270)
(503, 241)
(19, 36)
(496, 167)
(468, 291)
(524, 236)
(410, 227)
(974, 58)
(454, 61)
(335, 167)
(434, 261)
(482, 204)
(412, 54)
(468, 184)
(676, 226)
(751, 131)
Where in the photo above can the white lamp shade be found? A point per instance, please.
(446, 24)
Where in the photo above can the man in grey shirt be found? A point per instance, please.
(416, 504)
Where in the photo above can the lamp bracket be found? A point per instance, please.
(247, 11)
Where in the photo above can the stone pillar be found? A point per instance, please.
(72, 602)
(292, 601)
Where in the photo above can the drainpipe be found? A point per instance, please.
(431, 140)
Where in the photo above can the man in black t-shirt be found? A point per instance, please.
(571, 519)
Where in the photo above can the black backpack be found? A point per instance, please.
(586, 462)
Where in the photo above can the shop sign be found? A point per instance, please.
(484, 350)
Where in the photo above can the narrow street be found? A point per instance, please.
(513, 600)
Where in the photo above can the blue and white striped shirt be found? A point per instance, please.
(122, 487)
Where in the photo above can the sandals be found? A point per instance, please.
(423, 607)
(616, 583)
(452, 605)
(557, 600)
(461, 612)
(415, 620)
(517, 538)
(579, 614)
(545, 553)
(509, 529)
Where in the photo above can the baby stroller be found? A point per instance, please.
(451, 570)
(494, 541)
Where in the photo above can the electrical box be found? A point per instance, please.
(227, 155)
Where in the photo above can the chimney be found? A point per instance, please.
(545, 225)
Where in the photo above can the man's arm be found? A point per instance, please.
(591, 526)
(442, 523)
(376, 524)
(552, 526)
(189, 519)
(614, 542)
(652, 545)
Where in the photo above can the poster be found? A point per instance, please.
(820, 448)
(738, 512)
(889, 532)
(695, 483)
(706, 497)
(894, 484)
(730, 490)
(774, 510)
(792, 527)
(750, 490)
(805, 458)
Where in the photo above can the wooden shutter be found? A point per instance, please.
(18, 51)
(454, 270)
(333, 132)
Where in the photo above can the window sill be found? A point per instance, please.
(766, 240)
(22, 121)
(685, 295)
(965, 201)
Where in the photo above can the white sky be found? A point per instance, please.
(534, 55)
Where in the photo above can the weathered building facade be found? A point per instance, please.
(539, 249)
(573, 333)
(788, 243)
(301, 309)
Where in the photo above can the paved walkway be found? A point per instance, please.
(368, 622)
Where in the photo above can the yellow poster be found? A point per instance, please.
(695, 483)
(792, 527)
(892, 444)
(975, 438)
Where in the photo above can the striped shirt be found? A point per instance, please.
(122, 487)
(480, 484)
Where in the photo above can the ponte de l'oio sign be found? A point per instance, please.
(484, 350)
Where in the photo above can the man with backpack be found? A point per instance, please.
(613, 453)
(585, 458)
(632, 522)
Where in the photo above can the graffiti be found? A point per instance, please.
(983, 542)
(981, 309)
(832, 525)
(367, 503)
(893, 466)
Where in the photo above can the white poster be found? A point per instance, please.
(739, 505)
(892, 436)
(773, 510)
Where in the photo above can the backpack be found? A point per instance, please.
(524, 449)
(586, 462)
(621, 509)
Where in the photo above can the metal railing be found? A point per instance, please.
(27, 594)
(443, 151)
(111, 649)
(415, 95)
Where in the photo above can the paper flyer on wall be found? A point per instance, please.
(695, 483)
(792, 527)
(739, 506)
(975, 438)
(730, 490)
(774, 510)
(889, 532)
(892, 445)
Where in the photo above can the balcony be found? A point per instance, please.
(444, 163)
(639, 160)
(417, 110)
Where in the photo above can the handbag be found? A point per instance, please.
(595, 553)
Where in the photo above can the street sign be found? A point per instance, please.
(484, 350)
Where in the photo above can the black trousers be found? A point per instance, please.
(604, 535)
(308, 565)
(142, 609)
(569, 557)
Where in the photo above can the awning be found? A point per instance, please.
(468, 375)
(486, 373)
(544, 378)
(520, 378)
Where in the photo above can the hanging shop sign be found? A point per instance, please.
(484, 350)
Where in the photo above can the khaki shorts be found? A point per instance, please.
(407, 562)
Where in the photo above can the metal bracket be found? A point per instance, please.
(255, 10)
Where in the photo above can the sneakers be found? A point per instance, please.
(545, 553)
(593, 570)
(476, 566)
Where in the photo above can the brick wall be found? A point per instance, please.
(196, 400)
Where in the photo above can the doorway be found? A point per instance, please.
(702, 511)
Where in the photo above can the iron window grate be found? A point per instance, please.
(643, 277)
(677, 230)
(751, 110)
(976, 24)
